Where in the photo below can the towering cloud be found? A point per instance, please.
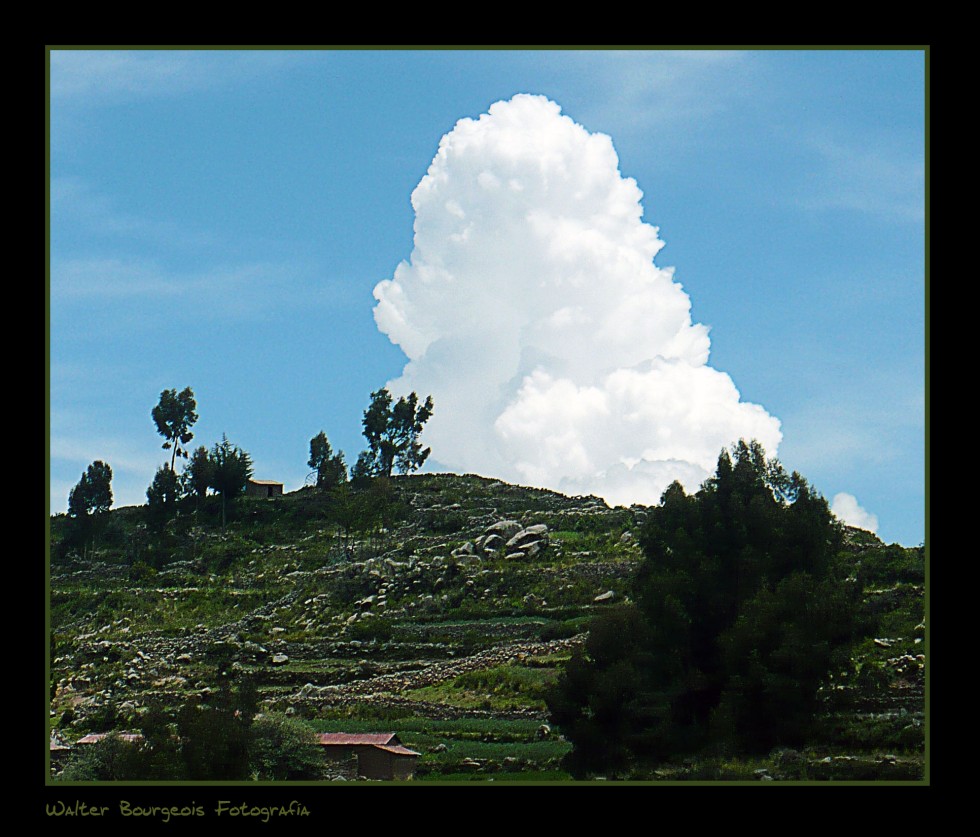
(558, 355)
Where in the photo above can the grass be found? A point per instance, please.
(504, 687)
(152, 609)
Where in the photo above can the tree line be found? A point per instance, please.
(391, 428)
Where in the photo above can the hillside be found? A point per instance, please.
(443, 618)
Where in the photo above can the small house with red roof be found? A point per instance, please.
(380, 755)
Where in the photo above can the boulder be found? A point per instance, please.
(533, 548)
(504, 528)
(538, 532)
(491, 543)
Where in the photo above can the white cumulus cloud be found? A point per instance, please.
(557, 353)
(845, 507)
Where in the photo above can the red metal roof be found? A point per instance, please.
(375, 739)
(399, 750)
(386, 741)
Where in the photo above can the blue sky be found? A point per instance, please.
(220, 220)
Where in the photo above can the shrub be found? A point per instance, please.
(284, 749)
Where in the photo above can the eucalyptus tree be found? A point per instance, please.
(174, 416)
(392, 430)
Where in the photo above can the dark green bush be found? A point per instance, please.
(284, 749)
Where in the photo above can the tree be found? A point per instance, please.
(199, 473)
(93, 493)
(89, 501)
(364, 511)
(216, 731)
(113, 759)
(599, 702)
(162, 496)
(352, 511)
(392, 432)
(363, 469)
(741, 610)
(231, 468)
(174, 416)
(331, 469)
(284, 749)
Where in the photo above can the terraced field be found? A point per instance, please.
(445, 624)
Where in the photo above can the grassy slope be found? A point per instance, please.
(391, 630)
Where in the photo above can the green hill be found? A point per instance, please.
(440, 607)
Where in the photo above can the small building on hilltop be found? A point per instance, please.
(263, 488)
(380, 755)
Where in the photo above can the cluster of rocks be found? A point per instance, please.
(509, 539)
(910, 667)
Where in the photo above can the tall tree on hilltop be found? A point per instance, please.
(174, 416)
(392, 431)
